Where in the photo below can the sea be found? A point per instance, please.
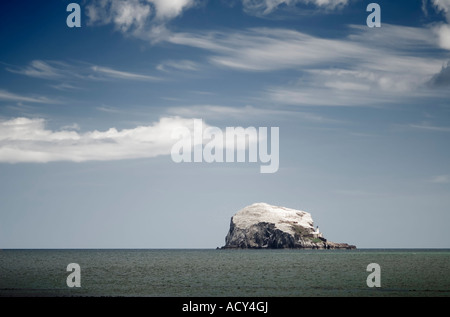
(225, 273)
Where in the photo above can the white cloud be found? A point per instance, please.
(169, 9)
(144, 19)
(263, 7)
(442, 30)
(24, 140)
(24, 129)
(28, 140)
(147, 19)
(130, 13)
(443, 33)
(442, 6)
(124, 14)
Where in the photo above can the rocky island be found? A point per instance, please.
(263, 226)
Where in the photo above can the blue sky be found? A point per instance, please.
(86, 115)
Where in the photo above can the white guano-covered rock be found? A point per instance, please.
(283, 218)
(265, 226)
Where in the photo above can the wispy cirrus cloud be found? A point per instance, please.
(354, 70)
(216, 112)
(10, 96)
(426, 126)
(65, 87)
(58, 70)
(264, 49)
(180, 65)
(42, 69)
(113, 73)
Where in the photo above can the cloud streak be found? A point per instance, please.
(9, 96)
(429, 127)
(42, 69)
(217, 112)
(356, 70)
(112, 73)
(181, 65)
(58, 70)
(264, 49)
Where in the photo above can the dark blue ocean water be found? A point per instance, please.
(273, 273)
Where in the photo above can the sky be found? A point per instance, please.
(87, 115)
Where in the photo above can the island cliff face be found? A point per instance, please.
(263, 226)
